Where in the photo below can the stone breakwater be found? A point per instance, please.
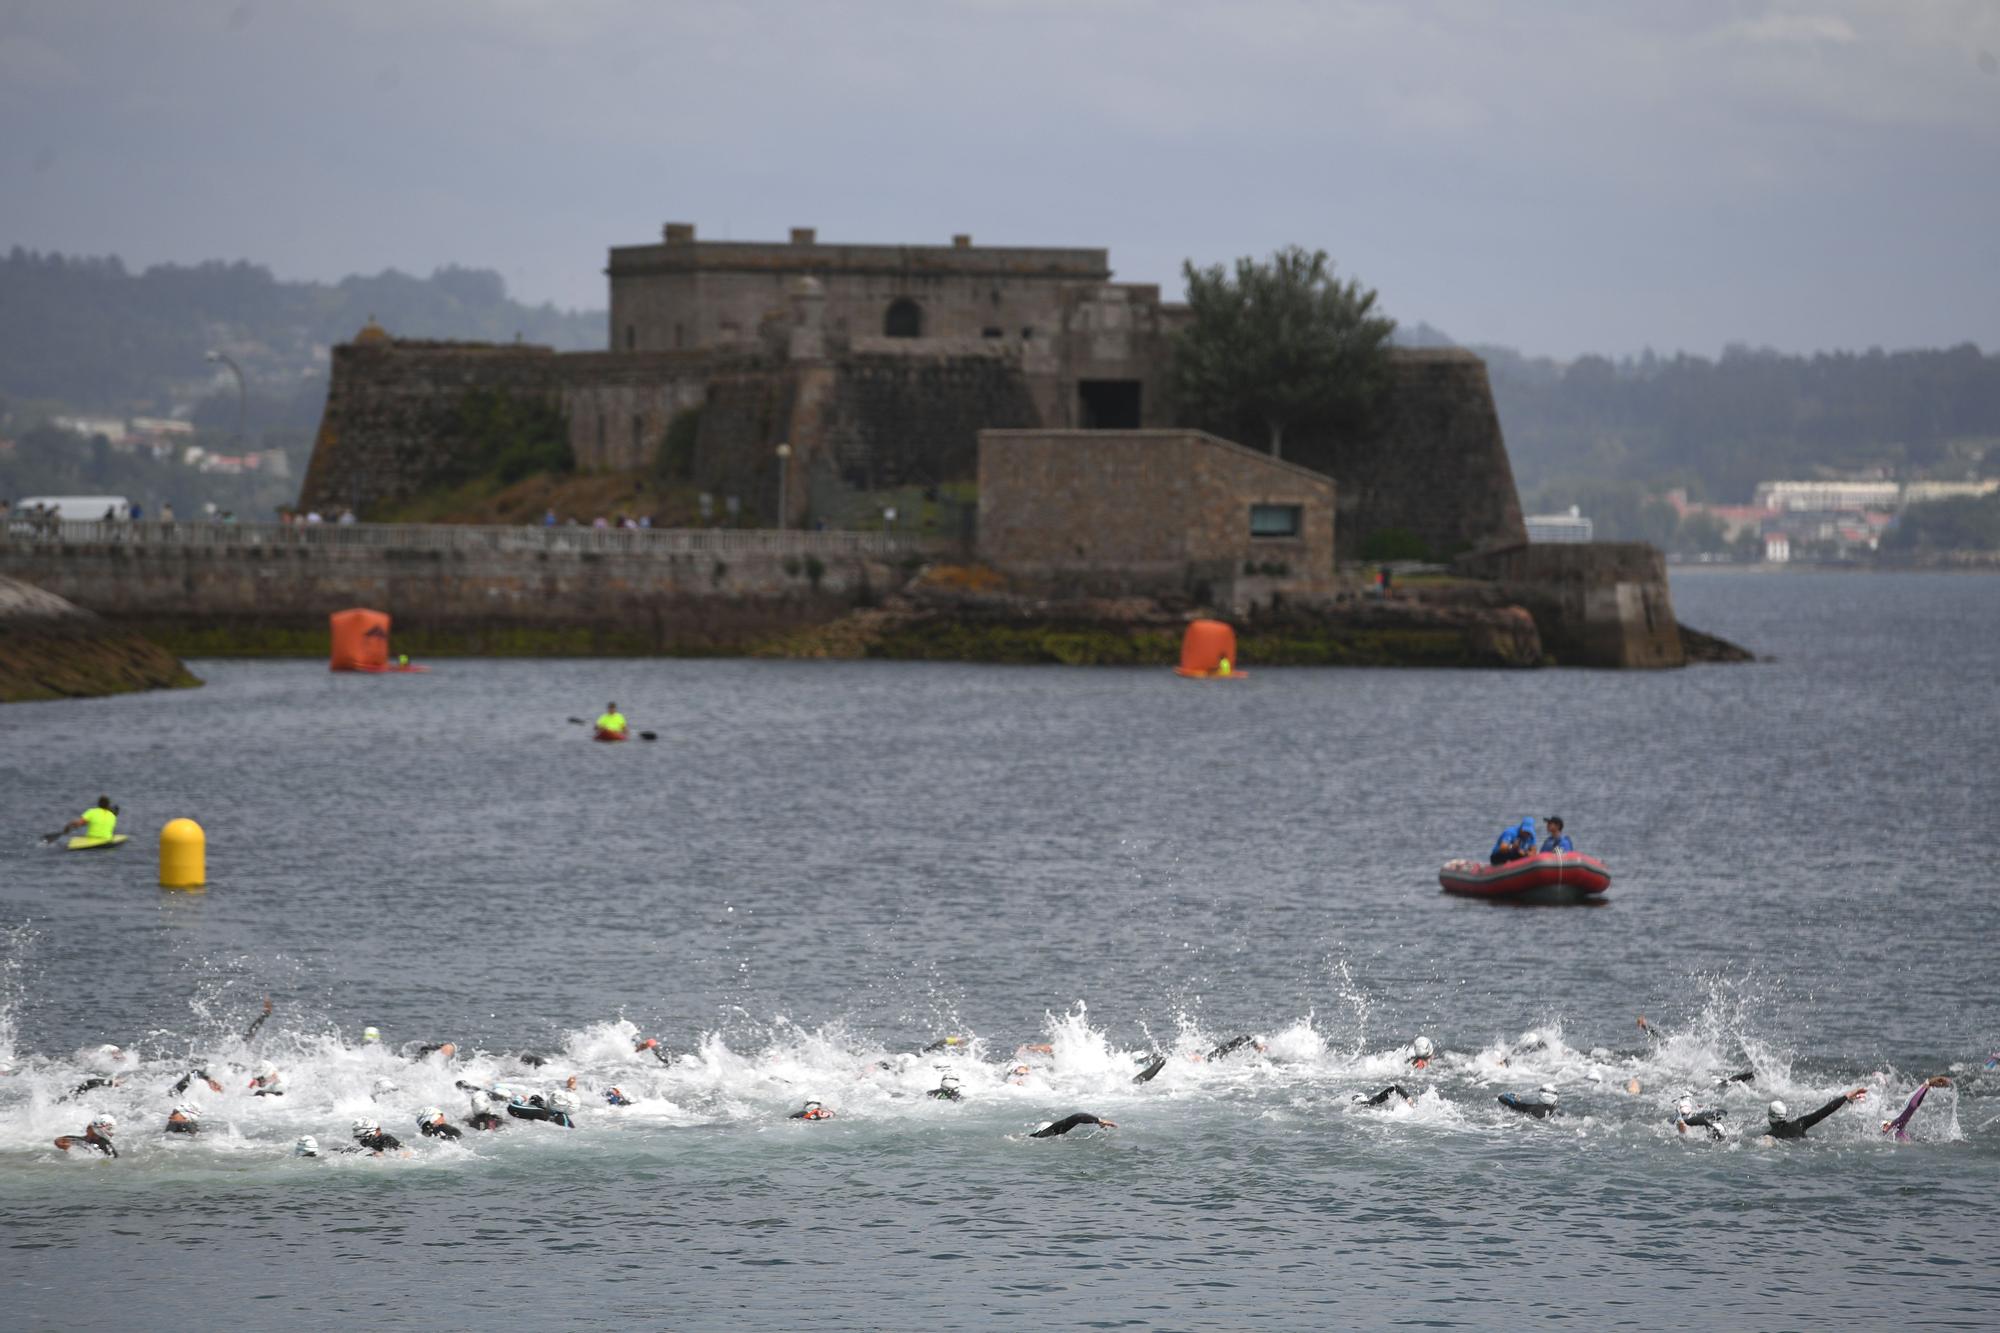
(51, 649)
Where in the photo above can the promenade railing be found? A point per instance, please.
(31, 530)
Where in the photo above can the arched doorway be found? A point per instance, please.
(904, 320)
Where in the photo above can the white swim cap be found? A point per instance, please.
(1530, 1038)
(307, 1146)
(428, 1115)
(362, 1128)
(268, 1072)
(383, 1085)
(1422, 1046)
(563, 1101)
(1600, 1052)
(371, 1034)
(1548, 1094)
(104, 1124)
(1684, 1108)
(1777, 1110)
(109, 1052)
(188, 1110)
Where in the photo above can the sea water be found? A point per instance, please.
(821, 868)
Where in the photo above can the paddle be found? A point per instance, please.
(51, 837)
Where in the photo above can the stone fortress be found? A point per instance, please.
(880, 365)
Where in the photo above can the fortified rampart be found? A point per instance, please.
(1602, 604)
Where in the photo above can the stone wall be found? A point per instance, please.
(1433, 466)
(1149, 512)
(1601, 604)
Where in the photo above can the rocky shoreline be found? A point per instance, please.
(51, 649)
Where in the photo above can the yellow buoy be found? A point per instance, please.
(183, 855)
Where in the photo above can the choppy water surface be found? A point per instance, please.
(822, 867)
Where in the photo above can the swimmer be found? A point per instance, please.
(532, 1059)
(96, 1136)
(446, 1049)
(184, 1119)
(1035, 1048)
(187, 1080)
(97, 1081)
(432, 1124)
(1421, 1052)
(1530, 1042)
(382, 1087)
(258, 1021)
(1235, 1044)
(947, 1090)
(1063, 1126)
(945, 1044)
(653, 1044)
(1541, 1103)
(1020, 1074)
(368, 1134)
(305, 1146)
(1154, 1064)
(483, 1116)
(553, 1107)
(269, 1082)
(1393, 1090)
(1688, 1116)
(617, 1097)
(371, 1036)
(1742, 1076)
(1783, 1128)
(1900, 1125)
(811, 1111)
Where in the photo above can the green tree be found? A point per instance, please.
(1277, 345)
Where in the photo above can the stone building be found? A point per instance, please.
(879, 365)
(1153, 512)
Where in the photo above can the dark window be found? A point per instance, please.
(631, 337)
(990, 332)
(1275, 520)
(1027, 332)
(638, 435)
(904, 320)
(1108, 404)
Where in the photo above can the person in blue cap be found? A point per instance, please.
(1514, 843)
(1557, 841)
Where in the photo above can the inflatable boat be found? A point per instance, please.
(1548, 877)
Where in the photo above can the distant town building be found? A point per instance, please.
(1923, 492)
(111, 428)
(1570, 527)
(1777, 549)
(162, 426)
(1826, 496)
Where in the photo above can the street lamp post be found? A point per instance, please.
(784, 468)
(241, 393)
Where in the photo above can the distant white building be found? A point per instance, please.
(1570, 527)
(1777, 549)
(1826, 497)
(111, 428)
(1923, 492)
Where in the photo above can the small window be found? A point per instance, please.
(990, 332)
(1275, 520)
(905, 319)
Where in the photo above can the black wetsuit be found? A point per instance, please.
(811, 1113)
(380, 1142)
(1393, 1090)
(1151, 1070)
(1514, 1101)
(484, 1120)
(1708, 1118)
(92, 1084)
(187, 1080)
(1065, 1125)
(87, 1139)
(1796, 1129)
(1747, 1076)
(256, 1023)
(183, 1126)
(432, 1048)
(536, 1109)
(441, 1131)
(943, 1044)
(1231, 1046)
(946, 1094)
(532, 1060)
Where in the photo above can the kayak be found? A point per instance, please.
(1547, 877)
(602, 735)
(81, 844)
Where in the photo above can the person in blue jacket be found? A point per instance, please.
(1557, 841)
(1514, 843)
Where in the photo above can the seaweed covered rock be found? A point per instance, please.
(51, 649)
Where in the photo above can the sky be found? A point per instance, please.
(1564, 177)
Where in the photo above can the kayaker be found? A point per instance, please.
(1557, 841)
(96, 1135)
(1541, 1103)
(100, 821)
(612, 721)
(1782, 1127)
(1901, 1123)
(1069, 1122)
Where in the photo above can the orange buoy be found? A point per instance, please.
(1208, 649)
(360, 640)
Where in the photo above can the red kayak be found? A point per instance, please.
(603, 735)
(1547, 877)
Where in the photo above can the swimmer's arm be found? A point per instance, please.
(1812, 1118)
(258, 1021)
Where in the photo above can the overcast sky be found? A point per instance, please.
(1563, 177)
